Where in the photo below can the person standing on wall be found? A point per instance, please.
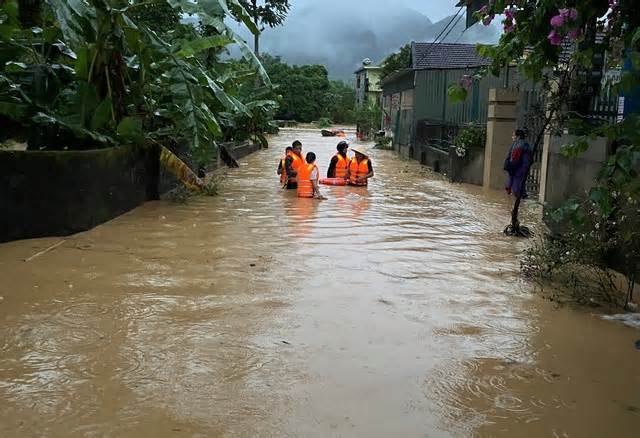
(360, 169)
(293, 163)
(339, 165)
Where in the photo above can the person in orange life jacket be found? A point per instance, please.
(292, 163)
(360, 169)
(339, 165)
(308, 176)
(281, 165)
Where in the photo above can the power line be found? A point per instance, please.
(460, 36)
(435, 41)
(452, 27)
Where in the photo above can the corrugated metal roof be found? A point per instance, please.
(446, 55)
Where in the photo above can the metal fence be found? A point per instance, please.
(531, 117)
(606, 107)
(437, 135)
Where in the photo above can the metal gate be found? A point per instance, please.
(531, 116)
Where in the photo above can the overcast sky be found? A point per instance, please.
(341, 33)
(434, 9)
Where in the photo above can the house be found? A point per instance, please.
(368, 83)
(416, 98)
(418, 112)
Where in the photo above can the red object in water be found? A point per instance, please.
(333, 181)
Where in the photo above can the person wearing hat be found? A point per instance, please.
(292, 163)
(339, 165)
(360, 169)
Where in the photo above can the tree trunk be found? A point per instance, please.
(29, 13)
(256, 37)
(256, 45)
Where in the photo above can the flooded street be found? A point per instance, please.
(392, 310)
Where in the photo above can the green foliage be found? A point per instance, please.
(307, 94)
(212, 188)
(97, 73)
(601, 230)
(324, 122)
(385, 143)
(270, 13)
(339, 102)
(397, 61)
(457, 93)
(157, 15)
(468, 137)
(368, 119)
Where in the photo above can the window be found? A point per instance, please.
(358, 82)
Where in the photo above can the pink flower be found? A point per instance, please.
(569, 13)
(574, 34)
(466, 82)
(488, 19)
(510, 13)
(555, 38)
(509, 27)
(483, 10)
(557, 21)
(613, 4)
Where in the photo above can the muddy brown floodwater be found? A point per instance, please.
(396, 310)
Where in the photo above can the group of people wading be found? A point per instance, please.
(303, 175)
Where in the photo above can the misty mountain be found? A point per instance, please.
(341, 38)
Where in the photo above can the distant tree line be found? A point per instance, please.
(307, 94)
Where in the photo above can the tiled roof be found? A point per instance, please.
(446, 55)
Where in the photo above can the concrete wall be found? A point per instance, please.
(468, 169)
(571, 177)
(436, 159)
(59, 193)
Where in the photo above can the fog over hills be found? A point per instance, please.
(339, 34)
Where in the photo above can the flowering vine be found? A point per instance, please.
(564, 24)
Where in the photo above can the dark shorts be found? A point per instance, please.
(292, 185)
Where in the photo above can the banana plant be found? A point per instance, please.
(102, 79)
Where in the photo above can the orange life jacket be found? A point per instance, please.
(357, 170)
(295, 165)
(305, 186)
(342, 166)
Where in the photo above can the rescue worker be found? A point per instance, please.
(360, 169)
(308, 176)
(339, 165)
(293, 163)
(282, 171)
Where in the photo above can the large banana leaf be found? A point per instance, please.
(77, 19)
(190, 48)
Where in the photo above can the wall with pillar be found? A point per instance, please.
(501, 122)
(565, 177)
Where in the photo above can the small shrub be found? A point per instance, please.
(211, 188)
(324, 122)
(385, 143)
(470, 136)
(179, 195)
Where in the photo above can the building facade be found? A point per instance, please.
(368, 89)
